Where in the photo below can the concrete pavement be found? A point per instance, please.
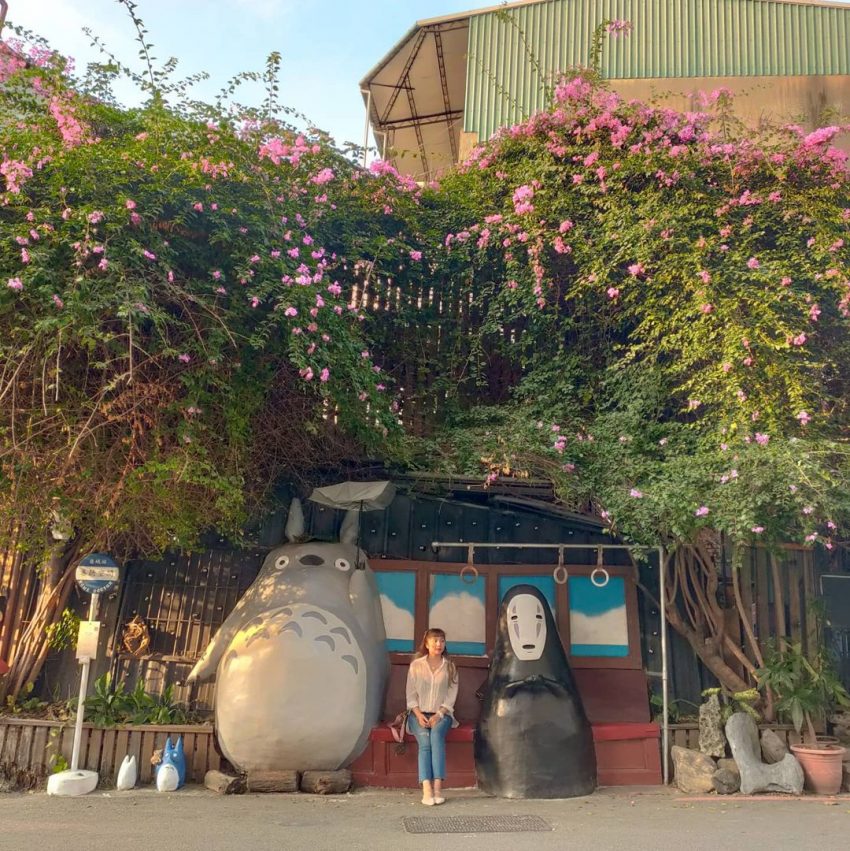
(636, 819)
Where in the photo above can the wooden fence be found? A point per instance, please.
(29, 749)
(687, 735)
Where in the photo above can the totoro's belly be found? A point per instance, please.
(290, 692)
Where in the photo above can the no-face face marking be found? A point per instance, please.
(526, 627)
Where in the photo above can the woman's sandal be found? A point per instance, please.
(439, 800)
(429, 802)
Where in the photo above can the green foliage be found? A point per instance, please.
(658, 308)
(111, 705)
(63, 633)
(739, 701)
(25, 704)
(179, 324)
(805, 688)
(58, 763)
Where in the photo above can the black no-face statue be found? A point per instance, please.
(533, 739)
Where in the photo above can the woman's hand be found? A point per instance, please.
(435, 719)
(423, 721)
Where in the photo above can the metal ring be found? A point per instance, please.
(473, 570)
(593, 577)
(557, 573)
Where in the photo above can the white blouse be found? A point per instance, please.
(431, 690)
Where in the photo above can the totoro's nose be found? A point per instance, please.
(312, 560)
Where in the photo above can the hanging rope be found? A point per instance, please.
(469, 569)
(599, 576)
(559, 574)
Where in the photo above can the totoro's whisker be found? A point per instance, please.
(326, 639)
(317, 615)
(351, 661)
(341, 630)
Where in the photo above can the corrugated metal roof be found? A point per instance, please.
(508, 60)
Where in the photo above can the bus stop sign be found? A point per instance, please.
(97, 573)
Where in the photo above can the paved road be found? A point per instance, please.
(196, 820)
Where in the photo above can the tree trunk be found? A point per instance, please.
(28, 655)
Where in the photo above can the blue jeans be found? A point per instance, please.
(432, 747)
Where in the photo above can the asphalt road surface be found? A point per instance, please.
(194, 819)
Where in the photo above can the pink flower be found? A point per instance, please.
(129, 204)
(799, 340)
(290, 311)
(705, 277)
(811, 538)
(702, 511)
(612, 292)
(636, 269)
(324, 375)
(415, 255)
(58, 301)
(148, 254)
(726, 366)
(786, 281)
(184, 358)
(324, 176)
(216, 275)
(565, 226)
(95, 217)
(103, 265)
(753, 263)
(254, 301)
(307, 374)
(762, 439)
(635, 493)
(15, 284)
(707, 308)
(757, 530)
(804, 418)
(25, 256)
(135, 219)
(814, 312)
(808, 509)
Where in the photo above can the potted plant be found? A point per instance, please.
(806, 688)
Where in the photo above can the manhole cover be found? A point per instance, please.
(475, 824)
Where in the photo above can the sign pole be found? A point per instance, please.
(84, 683)
(96, 574)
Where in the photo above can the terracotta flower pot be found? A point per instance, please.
(821, 767)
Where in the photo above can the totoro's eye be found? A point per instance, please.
(281, 562)
(342, 564)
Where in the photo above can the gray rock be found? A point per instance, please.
(845, 777)
(726, 782)
(711, 739)
(773, 748)
(757, 776)
(693, 770)
(729, 765)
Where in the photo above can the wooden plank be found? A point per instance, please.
(108, 766)
(762, 596)
(90, 756)
(795, 601)
(146, 748)
(4, 728)
(39, 756)
(122, 746)
(10, 749)
(745, 579)
(24, 750)
(810, 596)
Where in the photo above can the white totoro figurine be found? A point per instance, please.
(127, 774)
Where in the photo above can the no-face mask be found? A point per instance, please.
(526, 627)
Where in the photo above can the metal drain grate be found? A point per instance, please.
(475, 824)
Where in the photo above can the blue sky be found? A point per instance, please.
(328, 46)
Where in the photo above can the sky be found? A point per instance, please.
(327, 46)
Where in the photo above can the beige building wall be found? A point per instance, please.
(809, 101)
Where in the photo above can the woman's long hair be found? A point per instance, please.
(436, 632)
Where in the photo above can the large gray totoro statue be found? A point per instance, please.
(301, 661)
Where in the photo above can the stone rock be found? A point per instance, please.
(729, 765)
(757, 776)
(224, 784)
(845, 777)
(841, 726)
(326, 782)
(726, 782)
(693, 770)
(712, 742)
(773, 748)
(273, 781)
